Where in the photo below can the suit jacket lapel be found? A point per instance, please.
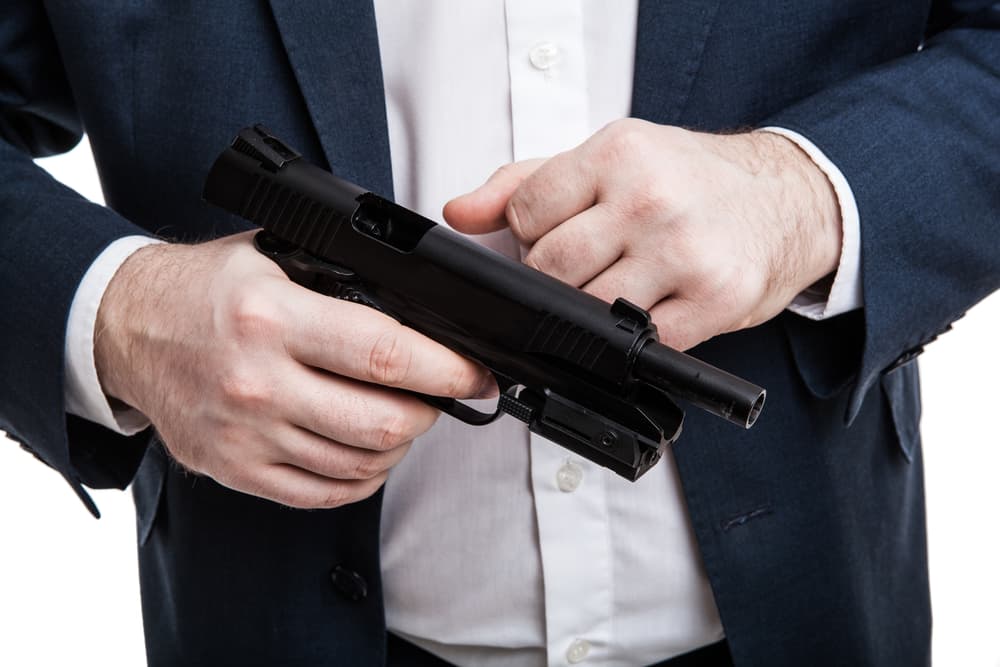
(333, 50)
(670, 41)
(334, 53)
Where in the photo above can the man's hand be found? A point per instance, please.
(259, 383)
(711, 233)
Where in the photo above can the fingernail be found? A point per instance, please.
(488, 389)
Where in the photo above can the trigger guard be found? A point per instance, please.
(461, 411)
(467, 413)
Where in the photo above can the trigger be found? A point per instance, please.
(314, 273)
(355, 295)
(516, 408)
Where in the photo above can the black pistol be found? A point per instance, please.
(588, 375)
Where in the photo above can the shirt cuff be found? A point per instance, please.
(83, 393)
(844, 294)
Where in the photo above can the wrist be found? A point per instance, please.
(812, 208)
(122, 321)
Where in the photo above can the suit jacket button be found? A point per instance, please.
(349, 583)
(33, 453)
(904, 358)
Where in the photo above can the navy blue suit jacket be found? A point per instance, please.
(811, 525)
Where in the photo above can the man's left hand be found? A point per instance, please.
(710, 233)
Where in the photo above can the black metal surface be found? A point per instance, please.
(588, 375)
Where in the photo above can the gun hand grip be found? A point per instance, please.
(630, 445)
(342, 283)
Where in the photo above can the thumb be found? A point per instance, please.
(484, 209)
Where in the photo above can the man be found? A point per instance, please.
(802, 541)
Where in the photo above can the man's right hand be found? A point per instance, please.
(263, 385)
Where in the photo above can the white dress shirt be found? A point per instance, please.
(499, 547)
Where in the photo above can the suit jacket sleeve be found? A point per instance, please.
(918, 139)
(49, 235)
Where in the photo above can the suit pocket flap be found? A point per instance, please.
(902, 390)
(827, 353)
(147, 487)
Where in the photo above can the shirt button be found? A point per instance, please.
(569, 476)
(544, 55)
(577, 651)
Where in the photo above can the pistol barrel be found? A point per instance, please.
(701, 384)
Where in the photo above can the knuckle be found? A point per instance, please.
(702, 273)
(296, 501)
(506, 172)
(391, 432)
(335, 496)
(389, 359)
(518, 213)
(625, 139)
(712, 281)
(330, 497)
(367, 466)
(462, 382)
(252, 315)
(728, 284)
(615, 128)
(651, 201)
(674, 333)
(543, 258)
(246, 388)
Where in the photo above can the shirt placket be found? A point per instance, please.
(549, 114)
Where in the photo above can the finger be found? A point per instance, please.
(580, 248)
(559, 189)
(335, 460)
(359, 342)
(643, 282)
(684, 323)
(483, 209)
(295, 487)
(354, 413)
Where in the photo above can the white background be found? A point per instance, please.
(69, 585)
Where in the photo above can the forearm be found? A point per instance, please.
(50, 235)
(918, 140)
